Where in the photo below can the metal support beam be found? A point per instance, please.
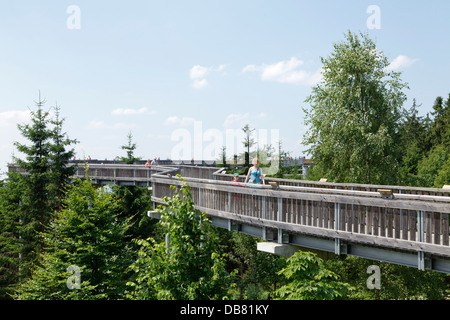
(337, 222)
(420, 238)
(263, 216)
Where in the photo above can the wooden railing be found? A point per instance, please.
(345, 186)
(402, 218)
(110, 173)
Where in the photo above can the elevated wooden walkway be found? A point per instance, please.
(402, 225)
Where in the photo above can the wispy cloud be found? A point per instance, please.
(199, 83)
(102, 125)
(131, 111)
(14, 117)
(402, 61)
(286, 71)
(199, 73)
(183, 122)
(240, 119)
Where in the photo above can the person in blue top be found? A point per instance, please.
(255, 173)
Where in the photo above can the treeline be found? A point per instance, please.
(425, 157)
(359, 130)
(422, 153)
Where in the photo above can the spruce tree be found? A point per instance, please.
(439, 121)
(129, 148)
(61, 172)
(87, 234)
(31, 194)
(35, 210)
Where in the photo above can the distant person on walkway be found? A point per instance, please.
(255, 173)
(148, 164)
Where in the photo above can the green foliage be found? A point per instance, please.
(354, 114)
(88, 234)
(426, 145)
(396, 282)
(443, 175)
(413, 137)
(257, 272)
(133, 203)
(309, 279)
(189, 267)
(433, 165)
(11, 243)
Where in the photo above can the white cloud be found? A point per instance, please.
(97, 124)
(183, 122)
(401, 61)
(199, 83)
(159, 136)
(286, 71)
(130, 111)
(102, 125)
(240, 119)
(121, 125)
(9, 133)
(13, 117)
(198, 74)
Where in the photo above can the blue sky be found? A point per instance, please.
(177, 73)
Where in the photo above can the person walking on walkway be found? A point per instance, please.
(255, 173)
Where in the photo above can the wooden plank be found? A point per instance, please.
(309, 212)
(369, 219)
(390, 222)
(314, 213)
(376, 220)
(362, 219)
(427, 227)
(355, 217)
(437, 227)
(293, 210)
(445, 229)
(326, 214)
(320, 209)
(383, 217)
(405, 223)
(397, 227)
(412, 224)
